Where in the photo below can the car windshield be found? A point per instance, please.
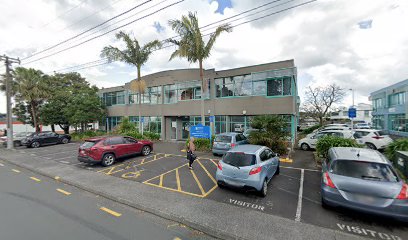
(380, 133)
(88, 144)
(364, 170)
(239, 159)
(223, 138)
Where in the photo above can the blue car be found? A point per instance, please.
(363, 180)
(249, 167)
(225, 141)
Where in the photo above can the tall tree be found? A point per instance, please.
(32, 89)
(135, 55)
(192, 46)
(319, 101)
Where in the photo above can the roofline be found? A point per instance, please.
(390, 86)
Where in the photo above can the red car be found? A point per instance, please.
(106, 150)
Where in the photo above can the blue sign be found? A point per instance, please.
(352, 112)
(212, 118)
(200, 131)
(142, 119)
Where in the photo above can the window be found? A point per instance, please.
(223, 139)
(189, 90)
(364, 170)
(170, 95)
(129, 140)
(279, 86)
(396, 99)
(378, 103)
(366, 113)
(239, 159)
(113, 98)
(264, 156)
(398, 122)
(378, 122)
(115, 141)
(224, 87)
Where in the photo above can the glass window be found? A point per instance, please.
(274, 87)
(242, 85)
(378, 103)
(259, 88)
(115, 141)
(378, 122)
(398, 122)
(170, 95)
(239, 159)
(189, 90)
(396, 99)
(364, 170)
(287, 83)
(223, 139)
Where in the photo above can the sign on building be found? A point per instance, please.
(200, 131)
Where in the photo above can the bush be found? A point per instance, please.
(397, 145)
(311, 129)
(126, 126)
(151, 136)
(325, 143)
(202, 144)
(84, 135)
(134, 134)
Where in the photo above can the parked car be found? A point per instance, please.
(310, 141)
(36, 140)
(17, 137)
(361, 126)
(329, 128)
(363, 180)
(225, 141)
(248, 131)
(374, 139)
(248, 167)
(106, 150)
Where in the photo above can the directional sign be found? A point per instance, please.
(212, 118)
(352, 112)
(200, 131)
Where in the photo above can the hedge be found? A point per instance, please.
(397, 145)
(325, 143)
(311, 129)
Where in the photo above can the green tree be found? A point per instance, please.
(272, 132)
(135, 55)
(192, 47)
(32, 89)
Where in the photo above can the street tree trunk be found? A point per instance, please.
(202, 92)
(52, 127)
(33, 112)
(140, 100)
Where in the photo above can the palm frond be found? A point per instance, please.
(214, 36)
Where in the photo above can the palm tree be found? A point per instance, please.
(32, 88)
(135, 55)
(192, 46)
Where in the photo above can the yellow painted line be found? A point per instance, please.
(176, 238)
(35, 179)
(178, 180)
(1, 165)
(15, 170)
(110, 169)
(148, 180)
(57, 178)
(161, 180)
(206, 171)
(211, 190)
(198, 182)
(214, 162)
(63, 192)
(116, 214)
(286, 160)
(183, 150)
(174, 190)
(154, 157)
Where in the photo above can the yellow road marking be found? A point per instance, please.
(148, 180)
(183, 150)
(15, 170)
(110, 169)
(178, 180)
(63, 192)
(131, 174)
(214, 162)
(176, 238)
(161, 180)
(35, 179)
(174, 190)
(210, 191)
(206, 171)
(116, 214)
(286, 160)
(57, 178)
(198, 182)
(1, 164)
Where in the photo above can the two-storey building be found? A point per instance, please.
(390, 109)
(172, 101)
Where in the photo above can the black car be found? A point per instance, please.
(36, 140)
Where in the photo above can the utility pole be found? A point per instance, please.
(8, 61)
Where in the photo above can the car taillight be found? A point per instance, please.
(219, 166)
(232, 145)
(255, 170)
(327, 180)
(378, 137)
(404, 192)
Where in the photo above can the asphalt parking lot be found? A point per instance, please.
(294, 194)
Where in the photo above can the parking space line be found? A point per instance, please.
(212, 160)
(206, 171)
(116, 214)
(161, 180)
(178, 180)
(50, 154)
(304, 169)
(63, 192)
(15, 170)
(174, 190)
(111, 168)
(210, 191)
(35, 179)
(299, 205)
(1, 165)
(198, 182)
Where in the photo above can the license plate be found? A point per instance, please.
(365, 199)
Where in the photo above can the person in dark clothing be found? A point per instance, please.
(191, 153)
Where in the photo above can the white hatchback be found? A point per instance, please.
(310, 141)
(374, 139)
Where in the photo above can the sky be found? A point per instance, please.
(363, 45)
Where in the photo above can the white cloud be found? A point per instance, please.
(324, 38)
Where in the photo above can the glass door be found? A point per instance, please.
(173, 135)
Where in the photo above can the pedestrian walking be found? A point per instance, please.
(191, 153)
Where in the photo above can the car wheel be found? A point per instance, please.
(305, 147)
(108, 159)
(35, 144)
(371, 146)
(17, 144)
(277, 170)
(146, 150)
(264, 189)
(65, 140)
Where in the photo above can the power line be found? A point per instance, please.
(170, 45)
(69, 39)
(124, 25)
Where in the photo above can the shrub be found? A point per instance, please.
(397, 145)
(325, 143)
(311, 129)
(151, 136)
(134, 134)
(202, 144)
(126, 126)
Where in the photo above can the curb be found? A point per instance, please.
(206, 229)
